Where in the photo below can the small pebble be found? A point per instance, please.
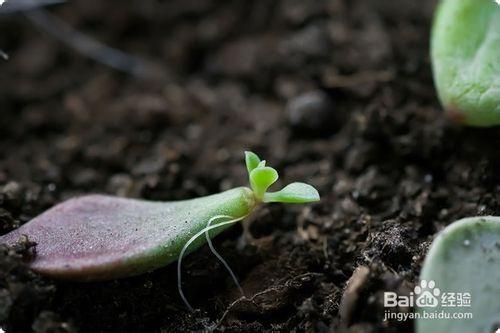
(312, 112)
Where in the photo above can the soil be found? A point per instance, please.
(336, 93)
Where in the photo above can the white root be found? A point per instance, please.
(217, 254)
(191, 240)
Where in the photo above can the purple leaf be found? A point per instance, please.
(102, 237)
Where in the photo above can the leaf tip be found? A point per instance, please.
(252, 160)
(294, 193)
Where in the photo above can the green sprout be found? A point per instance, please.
(97, 237)
(262, 176)
(465, 52)
(462, 266)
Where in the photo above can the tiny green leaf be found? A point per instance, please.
(261, 178)
(252, 161)
(465, 53)
(293, 193)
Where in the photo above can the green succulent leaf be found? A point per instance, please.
(293, 193)
(465, 53)
(261, 178)
(463, 259)
(252, 161)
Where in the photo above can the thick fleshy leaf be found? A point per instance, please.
(293, 193)
(460, 275)
(102, 237)
(465, 53)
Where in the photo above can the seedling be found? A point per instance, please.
(461, 274)
(465, 52)
(99, 237)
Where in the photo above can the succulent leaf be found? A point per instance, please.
(464, 259)
(98, 237)
(465, 52)
(293, 193)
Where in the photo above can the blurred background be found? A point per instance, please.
(201, 81)
(158, 100)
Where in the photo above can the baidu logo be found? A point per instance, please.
(427, 293)
(433, 302)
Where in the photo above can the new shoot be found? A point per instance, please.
(99, 237)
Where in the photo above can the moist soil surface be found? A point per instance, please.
(335, 93)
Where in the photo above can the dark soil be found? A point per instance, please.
(335, 93)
